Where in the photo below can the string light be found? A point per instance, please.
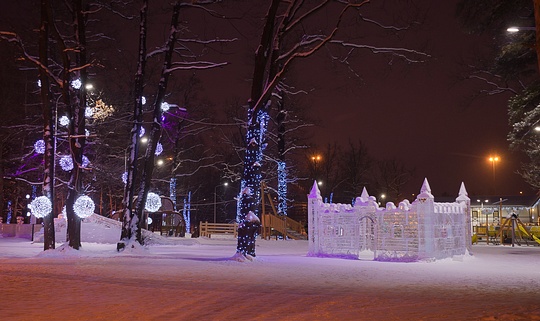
(142, 131)
(84, 206)
(282, 188)
(143, 100)
(153, 202)
(159, 149)
(125, 177)
(187, 216)
(41, 206)
(39, 146)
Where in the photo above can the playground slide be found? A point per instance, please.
(522, 229)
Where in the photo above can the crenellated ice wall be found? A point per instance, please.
(423, 230)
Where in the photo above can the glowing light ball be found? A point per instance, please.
(64, 121)
(85, 162)
(84, 206)
(153, 202)
(66, 163)
(143, 100)
(165, 106)
(39, 83)
(76, 83)
(159, 149)
(125, 177)
(88, 112)
(39, 146)
(41, 206)
(142, 131)
(149, 220)
(86, 132)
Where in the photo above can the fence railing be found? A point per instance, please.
(207, 229)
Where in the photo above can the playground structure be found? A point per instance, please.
(278, 225)
(512, 228)
(423, 230)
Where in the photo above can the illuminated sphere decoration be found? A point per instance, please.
(149, 220)
(39, 146)
(76, 83)
(153, 202)
(85, 161)
(64, 121)
(165, 106)
(41, 206)
(84, 206)
(88, 112)
(159, 149)
(66, 163)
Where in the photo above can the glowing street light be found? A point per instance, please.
(494, 159)
(215, 198)
(383, 197)
(515, 29)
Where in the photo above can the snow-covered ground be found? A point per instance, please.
(195, 279)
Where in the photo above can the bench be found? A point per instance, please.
(208, 229)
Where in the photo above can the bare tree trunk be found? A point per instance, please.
(130, 223)
(155, 134)
(2, 199)
(537, 24)
(48, 118)
(133, 218)
(77, 133)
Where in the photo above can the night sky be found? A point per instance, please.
(420, 114)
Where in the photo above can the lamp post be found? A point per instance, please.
(315, 159)
(514, 29)
(494, 160)
(215, 198)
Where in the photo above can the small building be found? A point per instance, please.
(489, 210)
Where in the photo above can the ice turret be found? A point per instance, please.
(425, 191)
(315, 192)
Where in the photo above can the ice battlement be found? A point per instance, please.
(423, 229)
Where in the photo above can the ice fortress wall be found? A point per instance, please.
(423, 230)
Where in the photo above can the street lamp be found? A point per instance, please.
(493, 160)
(537, 44)
(481, 209)
(514, 29)
(215, 198)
